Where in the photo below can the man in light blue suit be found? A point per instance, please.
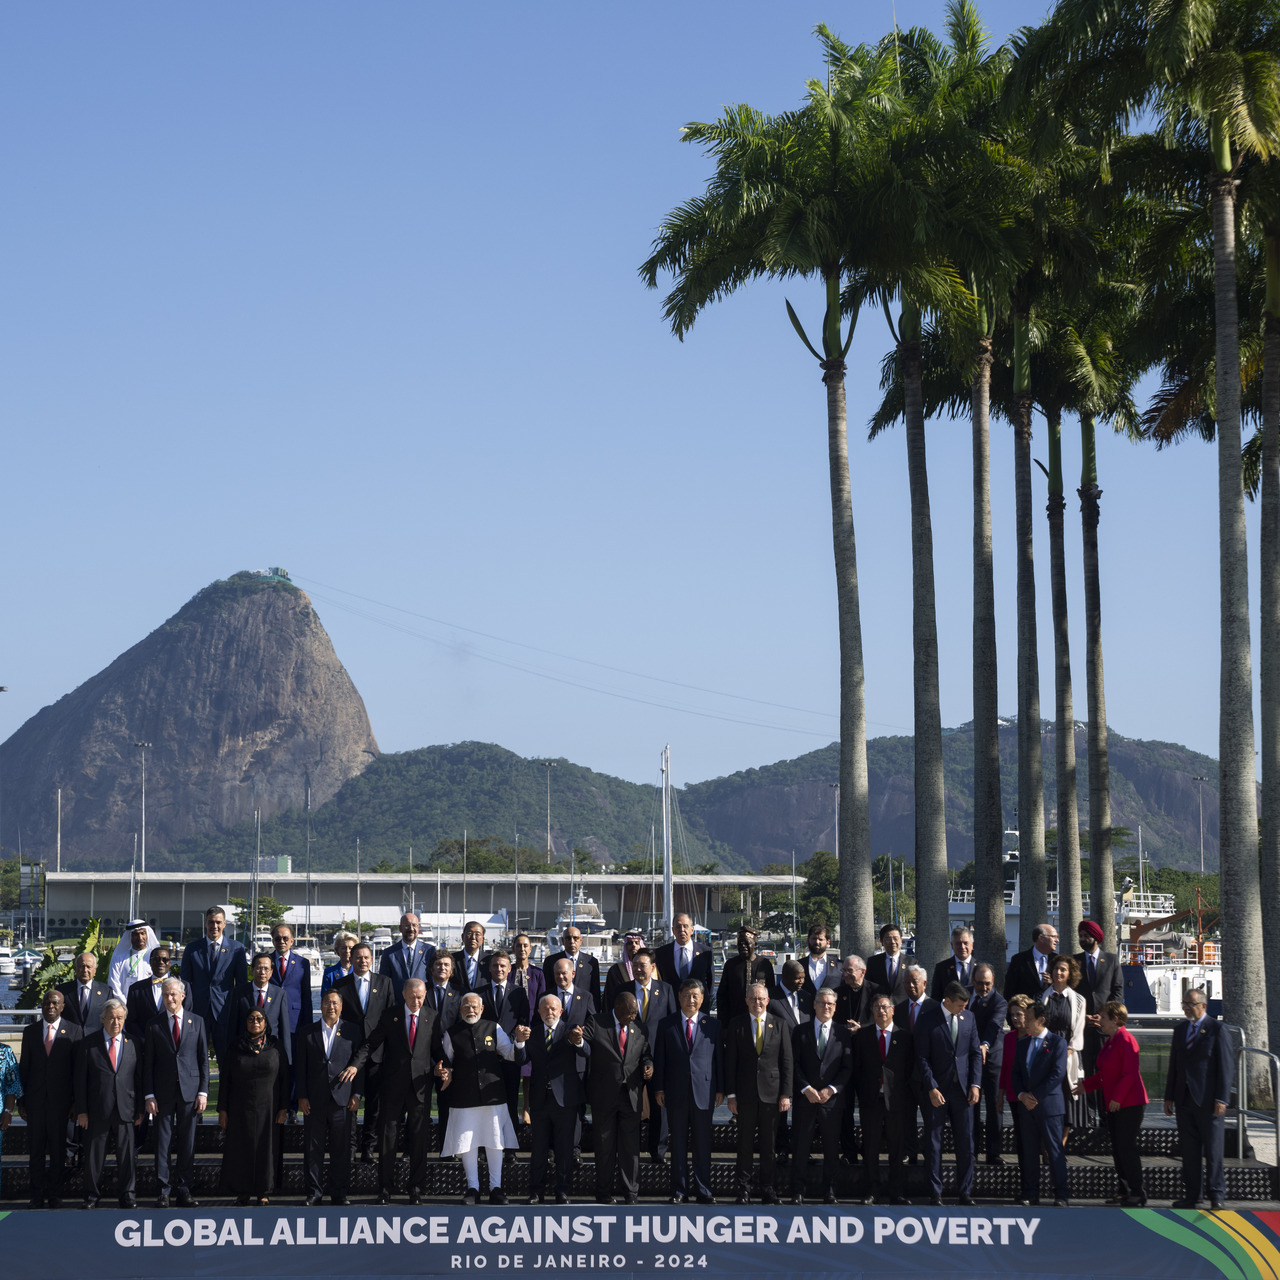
(408, 958)
(687, 1070)
(1039, 1067)
(212, 968)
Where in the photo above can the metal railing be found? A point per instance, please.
(1243, 1112)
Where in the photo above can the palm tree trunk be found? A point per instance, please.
(1034, 906)
(1269, 633)
(988, 817)
(857, 907)
(932, 926)
(1243, 983)
(1064, 713)
(1101, 874)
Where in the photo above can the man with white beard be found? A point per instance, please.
(475, 1048)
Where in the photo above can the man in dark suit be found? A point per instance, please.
(683, 958)
(884, 1062)
(145, 998)
(621, 974)
(887, 969)
(264, 995)
(989, 1008)
(907, 1014)
(408, 958)
(555, 1094)
(366, 996)
(470, 965)
(957, 967)
(949, 1063)
(687, 1067)
(212, 968)
(823, 1055)
(1101, 979)
(854, 998)
(1036, 1079)
(508, 1006)
(791, 1002)
(586, 968)
(85, 997)
(1202, 1067)
(740, 972)
(292, 975)
(414, 1049)
(329, 1096)
(108, 1101)
(444, 999)
(576, 1006)
(757, 1077)
(819, 971)
(175, 1087)
(656, 1001)
(1028, 971)
(620, 1064)
(48, 1094)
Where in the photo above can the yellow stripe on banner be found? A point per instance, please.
(1261, 1250)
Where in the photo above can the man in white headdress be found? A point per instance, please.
(130, 961)
(475, 1048)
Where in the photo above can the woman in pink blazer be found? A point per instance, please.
(1120, 1079)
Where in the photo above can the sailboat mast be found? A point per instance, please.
(668, 907)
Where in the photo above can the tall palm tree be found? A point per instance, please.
(779, 205)
(1209, 66)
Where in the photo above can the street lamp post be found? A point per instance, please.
(548, 765)
(1201, 781)
(142, 746)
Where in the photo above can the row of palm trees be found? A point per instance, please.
(1040, 224)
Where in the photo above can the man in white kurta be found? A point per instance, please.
(475, 1049)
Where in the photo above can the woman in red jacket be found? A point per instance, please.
(1120, 1079)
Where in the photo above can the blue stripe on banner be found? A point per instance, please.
(638, 1240)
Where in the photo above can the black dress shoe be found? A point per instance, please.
(312, 1201)
(1062, 1203)
(90, 1202)
(678, 1200)
(605, 1200)
(771, 1197)
(1025, 1203)
(706, 1199)
(497, 1196)
(632, 1199)
(830, 1198)
(965, 1202)
(869, 1198)
(1185, 1204)
(1134, 1202)
(1216, 1203)
(185, 1201)
(798, 1198)
(365, 1157)
(561, 1198)
(899, 1200)
(471, 1195)
(384, 1198)
(415, 1198)
(339, 1200)
(130, 1202)
(936, 1201)
(36, 1202)
(743, 1200)
(244, 1200)
(535, 1198)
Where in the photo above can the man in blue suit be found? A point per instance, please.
(261, 994)
(989, 1008)
(175, 1086)
(687, 1069)
(408, 958)
(1202, 1065)
(949, 1066)
(1039, 1067)
(555, 1095)
(212, 968)
(293, 975)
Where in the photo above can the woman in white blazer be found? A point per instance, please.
(1066, 1017)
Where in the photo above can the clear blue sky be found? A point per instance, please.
(352, 289)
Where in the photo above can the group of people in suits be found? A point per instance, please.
(792, 1053)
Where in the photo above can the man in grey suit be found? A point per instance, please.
(175, 1086)
(85, 997)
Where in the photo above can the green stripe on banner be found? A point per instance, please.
(1155, 1220)
(1207, 1224)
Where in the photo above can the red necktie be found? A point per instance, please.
(413, 1030)
(884, 1045)
(262, 997)
(177, 1034)
(283, 962)
(622, 1040)
(688, 1032)
(111, 1053)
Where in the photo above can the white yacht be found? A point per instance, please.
(6, 961)
(584, 914)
